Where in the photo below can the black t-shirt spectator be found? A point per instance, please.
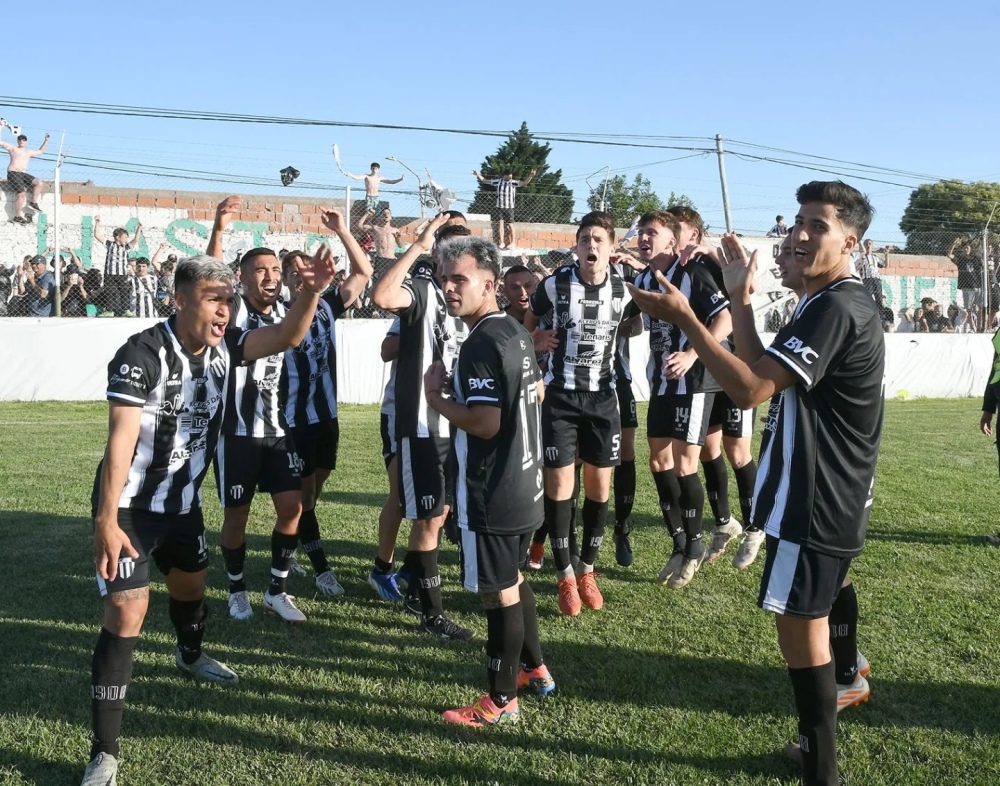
(970, 270)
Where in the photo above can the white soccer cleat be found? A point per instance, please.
(283, 606)
(208, 669)
(101, 771)
(853, 694)
(239, 606)
(672, 567)
(327, 584)
(723, 536)
(747, 553)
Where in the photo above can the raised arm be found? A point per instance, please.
(529, 178)
(138, 232)
(41, 148)
(389, 293)
(399, 179)
(224, 215)
(480, 178)
(98, 236)
(155, 261)
(354, 176)
(361, 266)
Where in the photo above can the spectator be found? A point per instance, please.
(970, 278)
(142, 297)
(74, 294)
(867, 263)
(503, 213)
(385, 238)
(906, 322)
(788, 312)
(372, 182)
(888, 321)
(7, 275)
(38, 285)
(780, 228)
(17, 174)
(959, 319)
(117, 288)
(936, 321)
(920, 321)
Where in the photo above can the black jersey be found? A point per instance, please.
(707, 300)
(499, 488)
(816, 474)
(586, 318)
(182, 398)
(309, 381)
(426, 334)
(253, 408)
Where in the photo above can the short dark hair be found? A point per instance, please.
(119, 232)
(142, 261)
(661, 217)
(597, 218)
(514, 270)
(853, 208)
(450, 231)
(779, 218)
(22, 138)
(452, 214)
(288, 260)
(376, 165)
(689, 216)
(253, 253)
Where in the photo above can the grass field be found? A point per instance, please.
(661, 687)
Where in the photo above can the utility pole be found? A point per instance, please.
(983, 311)
(725, 187)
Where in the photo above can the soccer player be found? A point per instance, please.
(519, 284)
(820, 445)
(588, 302)
(681, 391)
(426, 334)
(309, 391)
(167, 389)
(729, 427)
(498, 443)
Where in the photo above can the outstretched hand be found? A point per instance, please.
(227, 210)
(426, 239)
(318, 273)
(334, 220)
(738, 270)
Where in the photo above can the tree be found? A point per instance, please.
(625, 201)
(938, 213)
(544, 200)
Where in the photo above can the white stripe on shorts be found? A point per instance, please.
(782, 577)
(470, 561)
(409, 493)
(746, 424)
(698, 415)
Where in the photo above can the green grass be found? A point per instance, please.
(660, 687)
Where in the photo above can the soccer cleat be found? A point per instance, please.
(569, 597)
(101, 771)
(295, 569)
(672, 567)
(853, 694)
(35, 206)
(683, 577)
(991, 540)
(536, 681)
(128, 314)
(536, 556)
(385, 585)
(864, 667)
(283, 606)
(483, 712)
(327, 584)
(208, 669)
(724, 534)
(239, 605)
(445, 627)
(412, 605)
(623, 549)
(590, 595)
(747, 552)
(794, 753)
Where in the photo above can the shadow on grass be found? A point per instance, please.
(921, 536)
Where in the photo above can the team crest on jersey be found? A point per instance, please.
(126, 567)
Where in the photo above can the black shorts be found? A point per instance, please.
(626, 404)
(503, 214)
(581, 423)
(20, 182)
(245, 464)
(800, 582)
(735, 422)
(421, 467)
(173, 541)
(387, 427)
(680, 416)
(317, 445)
(489, 562)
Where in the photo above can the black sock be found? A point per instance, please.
(235, 560)
(692, 509)
(844, 634)
(282, 551)
(717, 488)
(309, 537)
(428, 581)
(815, 691)
(746, 480)
(595, 514)
(531, 650)
(410, 569)
(669, 492)
(504, 639)
(111, 674)
(189, 617)
(624, 482)
(562, 513)
(381, 566)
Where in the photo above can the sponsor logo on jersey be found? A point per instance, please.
(717, 297)
(808, 354)
(481, 384)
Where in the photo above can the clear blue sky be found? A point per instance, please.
(907, 86)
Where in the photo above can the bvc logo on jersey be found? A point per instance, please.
(808, 354)
(481, 384)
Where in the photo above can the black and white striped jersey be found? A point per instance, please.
(309, 381)
(697, 284)
(142, 297)
(116, 258)
(426, 334)
(816, 475)
(586, 319)
(182, 398)
(499, 480)
(506, 191)
(253, 408)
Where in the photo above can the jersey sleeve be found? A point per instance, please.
(541, 299)
(133, 374)
(480, 373)
(419, 298)
(707, 299)
(235, 339)
(336, 301)
(810, 344)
